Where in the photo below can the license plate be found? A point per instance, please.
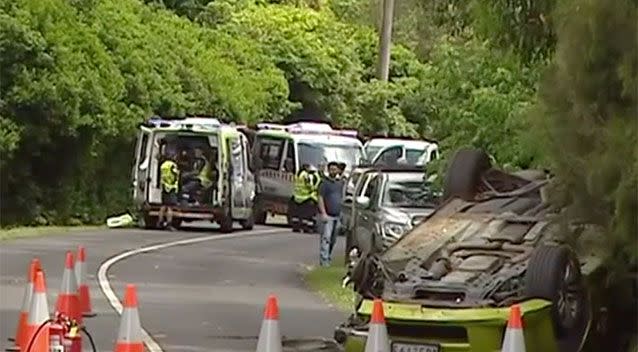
(409, 347)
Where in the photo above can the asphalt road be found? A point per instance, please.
(204, 296)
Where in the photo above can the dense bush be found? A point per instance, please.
(78, 76)
(587, 120)
(472, 95)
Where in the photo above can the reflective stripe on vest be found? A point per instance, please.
(314, 180)
(170, 175)
(301, 190)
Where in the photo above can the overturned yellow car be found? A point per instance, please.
(447, 285)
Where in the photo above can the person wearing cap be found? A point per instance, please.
(330, 192)
(169, 176)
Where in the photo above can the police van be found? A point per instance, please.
(229, 198)
(279, 151)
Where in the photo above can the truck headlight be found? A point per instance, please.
(394, 229)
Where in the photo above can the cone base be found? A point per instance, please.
(85, 299)
(129, 347)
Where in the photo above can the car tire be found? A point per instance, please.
(248, 224)
(177, 223)
(553, 273)
(464, 173)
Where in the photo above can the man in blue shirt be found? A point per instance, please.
(329, 205)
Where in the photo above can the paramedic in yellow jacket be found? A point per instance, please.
(201, 178)
(303, 204)
(169, 178)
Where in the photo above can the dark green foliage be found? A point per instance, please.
(588, 119)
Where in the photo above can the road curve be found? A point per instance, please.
(197, 291)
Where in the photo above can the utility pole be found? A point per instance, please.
(385, 40)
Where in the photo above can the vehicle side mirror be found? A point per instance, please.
(363, 201)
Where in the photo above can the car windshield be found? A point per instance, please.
(319, 154)
(413, 156)
(408, 191)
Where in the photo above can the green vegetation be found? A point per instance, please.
(327, 282)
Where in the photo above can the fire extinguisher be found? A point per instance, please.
(64, 335)
(56, 332)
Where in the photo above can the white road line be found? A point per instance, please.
(105, 285)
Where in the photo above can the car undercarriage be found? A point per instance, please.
(493, 242)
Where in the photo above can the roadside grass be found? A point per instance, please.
(327, 282)
(36, 231)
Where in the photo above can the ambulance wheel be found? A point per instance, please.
(259, 214)
(145, 221)
(226, 224)
(249, 223)
(177, 223)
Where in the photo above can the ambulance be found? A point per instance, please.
(227, 201)
(279, 151)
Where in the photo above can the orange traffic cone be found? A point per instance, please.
(83, 289)
(377, 331)
(68, 302)
(21, 329)
(270, 336)
(514, 340)
(37, 332)
(129, 337)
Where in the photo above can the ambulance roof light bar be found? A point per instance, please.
(189, 122)
(308, 128)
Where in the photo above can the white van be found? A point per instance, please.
(279, 151)
(404, 151)
(230, 198)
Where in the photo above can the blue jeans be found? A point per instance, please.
(329, 230)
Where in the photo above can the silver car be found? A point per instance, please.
(382, 204)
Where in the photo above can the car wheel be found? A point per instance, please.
(464, 173)
(177, 223)
(553, 273)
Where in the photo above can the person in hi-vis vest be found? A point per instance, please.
(303, 203)
(169, 177)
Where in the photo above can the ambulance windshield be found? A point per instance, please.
(318, 154)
